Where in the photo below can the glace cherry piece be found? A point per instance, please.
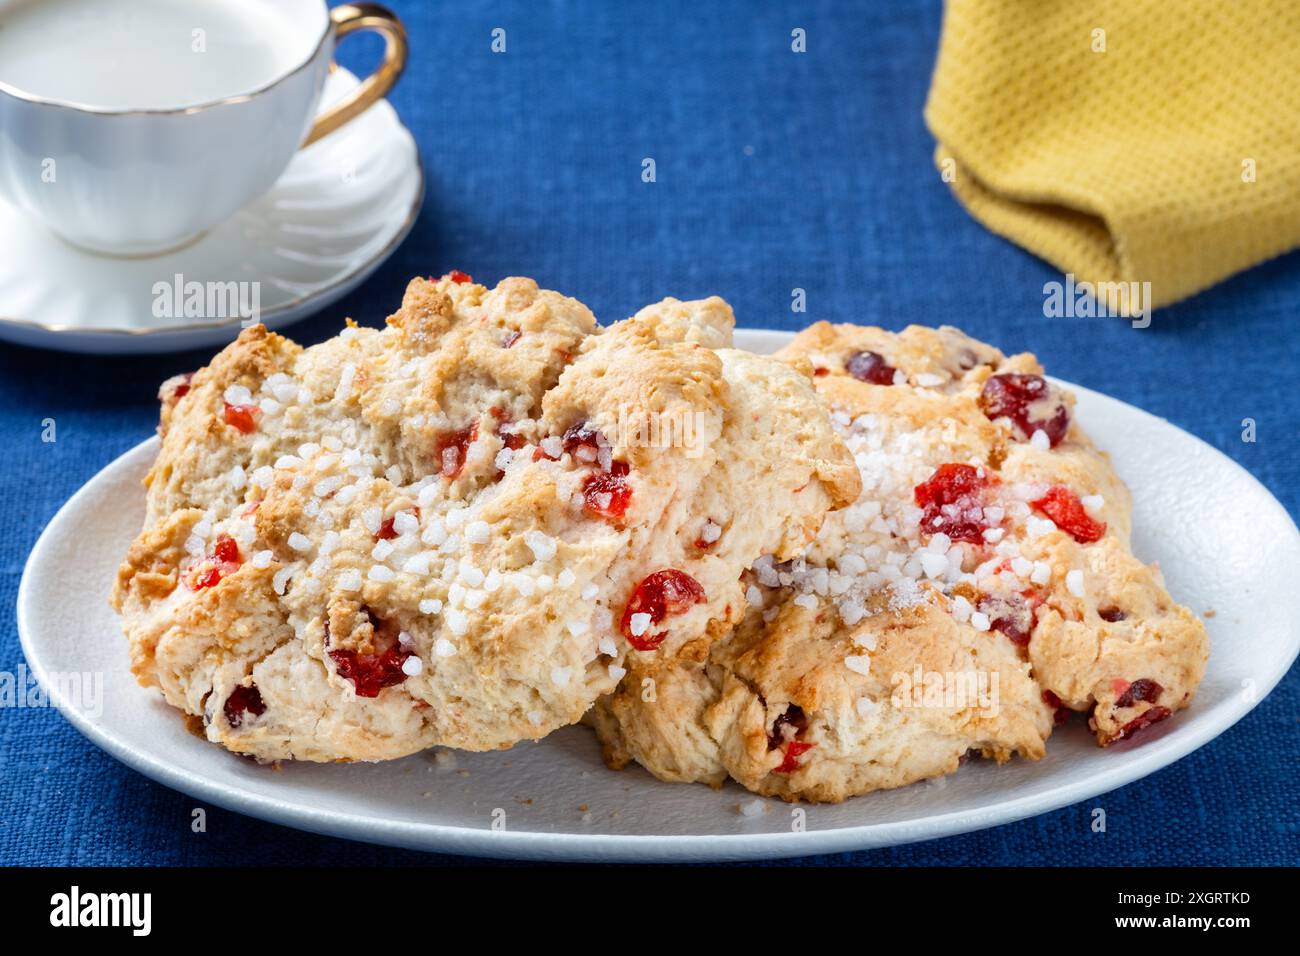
(224, 560)
(660, 595)
(1060, 713)
(1148, 717)
(606, 494)
(458, 277)
(452, 449)
(952, 501)
(1031, 404)
(371, 673)
(1144, 689)
(1064, 507)
(870, 367)
(793, 751)
(240, 417)
(1012, 615)
(243, 700)
(583, 442)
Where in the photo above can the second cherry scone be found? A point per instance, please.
(457, 530)
(980, 587)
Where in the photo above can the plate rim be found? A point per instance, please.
(537, 845)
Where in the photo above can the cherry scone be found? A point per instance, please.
(979, 589)
(457, 530)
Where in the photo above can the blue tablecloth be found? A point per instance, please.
(775, 171)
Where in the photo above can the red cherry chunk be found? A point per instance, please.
(241, 417)
(793, 751)
(660, 595)
(606, 494)
(1060, 713)
(1012, 615)
(584, 442)
(1145, 719)
(452, 449)
(952, 501)
(371, 673)
(458, 277)
(1144, 689)
(1064, 507)
(1031, 404)
(223, 560)
(243, 700)
(870, 367)
(790, 724)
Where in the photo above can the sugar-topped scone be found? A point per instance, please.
(980, 586)
(457, 530)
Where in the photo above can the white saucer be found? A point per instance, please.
(1222, 541)
(343, 205)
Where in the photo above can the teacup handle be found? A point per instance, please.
(350, 18)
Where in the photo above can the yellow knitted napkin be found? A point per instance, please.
(1127, 141)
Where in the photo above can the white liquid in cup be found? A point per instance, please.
(144, 54)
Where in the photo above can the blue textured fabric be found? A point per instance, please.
(775, 171)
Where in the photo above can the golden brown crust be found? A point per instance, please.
(887, 652)
(385, 542)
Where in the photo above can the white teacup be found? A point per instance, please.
(131, 127)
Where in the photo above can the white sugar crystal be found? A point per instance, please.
(492, 581)
(327, 486)
(380, 572)
(349, 580)
(435, 534)
(417, 563)
(993, 535)
(1093, 505)
(1023, 567)
(428, 495)
(851, 612)
(552, 446)
(372, 519)
(390, 407)
(288, 461)
(560, 676)
(608, 647)
(478, 532)
(979, 620)
(328, 542)
(751, 808)
(590, 592)
(545, 583)
(299, 542)
(404, 522)
(1074, 582)
(502, 461)
(457, 621)
(430, 606)
(522, 583)
(542, 545)
(934, 565)
(711, 533)
(808, 601)
(929, 380)
(382, 550)
(1042, 573)
(263, 477)
(961, 609)
(474, 599)
(344, 389)
(412, 666)
(754, 596)
(616, 672)
(566, 578)
(1037, 527)
(237, 395)
(638, 624)
(281, 579)
(1040, 441)
(577, 627)
(858, 663)
(262, 559)
(285, 392)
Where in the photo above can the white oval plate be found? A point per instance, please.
(1224, 543)
(338, 211)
